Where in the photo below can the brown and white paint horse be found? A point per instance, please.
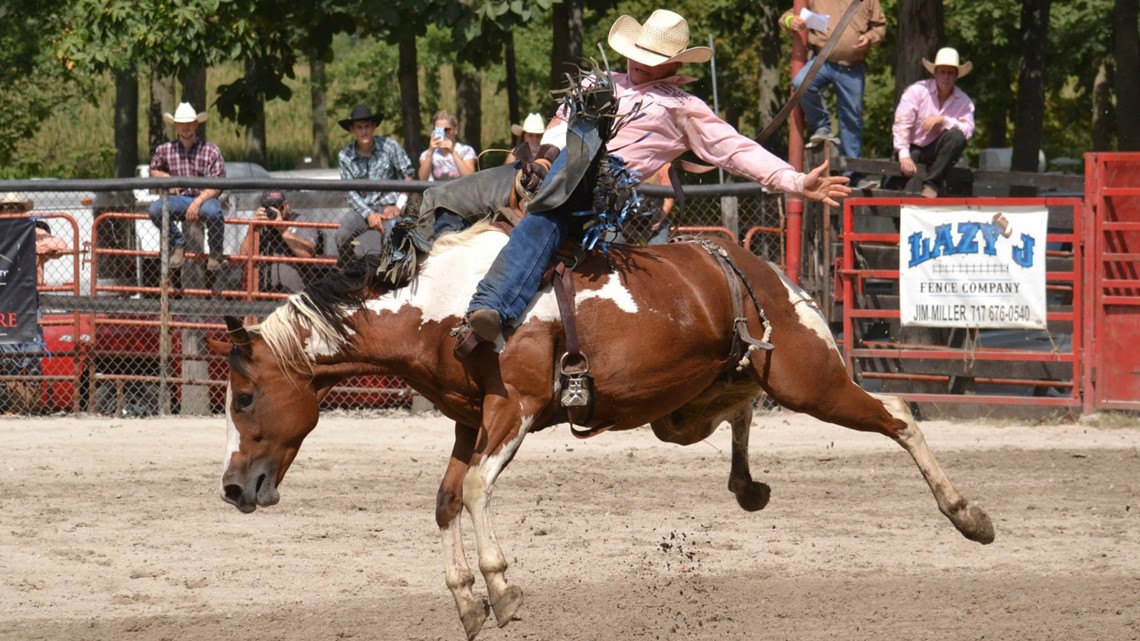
(657, 324)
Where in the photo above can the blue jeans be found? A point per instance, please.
(848, 83)
(210, 212)
(515, 275)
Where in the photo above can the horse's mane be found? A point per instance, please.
(324, 307)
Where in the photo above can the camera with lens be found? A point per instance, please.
(272, 213)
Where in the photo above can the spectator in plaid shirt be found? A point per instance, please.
(190, 156)
(370, 157)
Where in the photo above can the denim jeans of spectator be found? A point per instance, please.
(848, 83)
(514, 277)
(210, 213)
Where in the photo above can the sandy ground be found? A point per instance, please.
(115, 530)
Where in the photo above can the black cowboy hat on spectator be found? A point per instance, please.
(360, 112)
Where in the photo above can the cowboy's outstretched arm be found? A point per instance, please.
(819, 186)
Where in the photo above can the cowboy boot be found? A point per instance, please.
(485, 324)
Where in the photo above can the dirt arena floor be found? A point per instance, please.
(114, 529)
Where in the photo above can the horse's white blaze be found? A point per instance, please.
(233, 437)
(806, 310)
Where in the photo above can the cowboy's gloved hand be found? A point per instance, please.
(533, 173)
(522, 153)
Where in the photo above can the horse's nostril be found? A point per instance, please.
(260, 482)
(233, 493)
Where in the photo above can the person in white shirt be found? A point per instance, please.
(445, 158)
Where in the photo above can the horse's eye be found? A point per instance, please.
(244, 402)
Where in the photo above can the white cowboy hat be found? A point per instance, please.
(185, 113)
(534, 124)
(662, 39)
(947, 57)
(12, 198)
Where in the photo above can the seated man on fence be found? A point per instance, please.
(933, 121)
(274, 240)
(190, 156)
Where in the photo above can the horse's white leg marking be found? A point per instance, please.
(478, 486)
(472, 611)
(970, 520)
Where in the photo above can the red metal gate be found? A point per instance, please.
(1112, 297)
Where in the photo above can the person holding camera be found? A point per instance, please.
(276, 240)
(446, 158)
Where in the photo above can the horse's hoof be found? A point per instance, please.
(473, 619)
(974, 524)
(753, 496)
(507, 604)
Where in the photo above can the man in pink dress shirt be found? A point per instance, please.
(671, 121)
(933, 121)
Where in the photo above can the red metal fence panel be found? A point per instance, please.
(1112, 218)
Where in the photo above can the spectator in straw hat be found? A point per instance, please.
(530, 134)
(190, 156)
(11, 203)
(933, 121)
(370, 157)
(670, 122)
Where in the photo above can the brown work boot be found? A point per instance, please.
(485, 324)
(929, 191)
(216, 261)
(177, 256)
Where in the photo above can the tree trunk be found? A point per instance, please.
(513, 111)
(1030, 90)
(126, 122)
(920, 34)
(194, 92)
(255, 133)
(318, 90)
(566, 49)
(410, 95)
(161, 101)
(1104, 114)
(469, 104)
(1126, 48)
(997, 120)
(770, 98)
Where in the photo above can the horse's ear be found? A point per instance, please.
(238, 334)
(220, 348)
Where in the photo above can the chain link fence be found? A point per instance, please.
(123, 326)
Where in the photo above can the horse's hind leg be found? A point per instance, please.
(970, 519)
(844, 403)
(751, 495)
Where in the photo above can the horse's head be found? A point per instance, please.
(270, 409)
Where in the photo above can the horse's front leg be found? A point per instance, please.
(448, 505)
(750, 495)
(503, 433)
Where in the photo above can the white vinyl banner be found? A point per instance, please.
(967, 266)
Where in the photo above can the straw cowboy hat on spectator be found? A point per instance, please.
(662, 39)
(11, 201)
(185, 113)
(534, 124)
(947, 57)
(360, 112)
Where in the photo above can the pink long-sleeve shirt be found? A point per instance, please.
(919, 101)
(673, 121)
